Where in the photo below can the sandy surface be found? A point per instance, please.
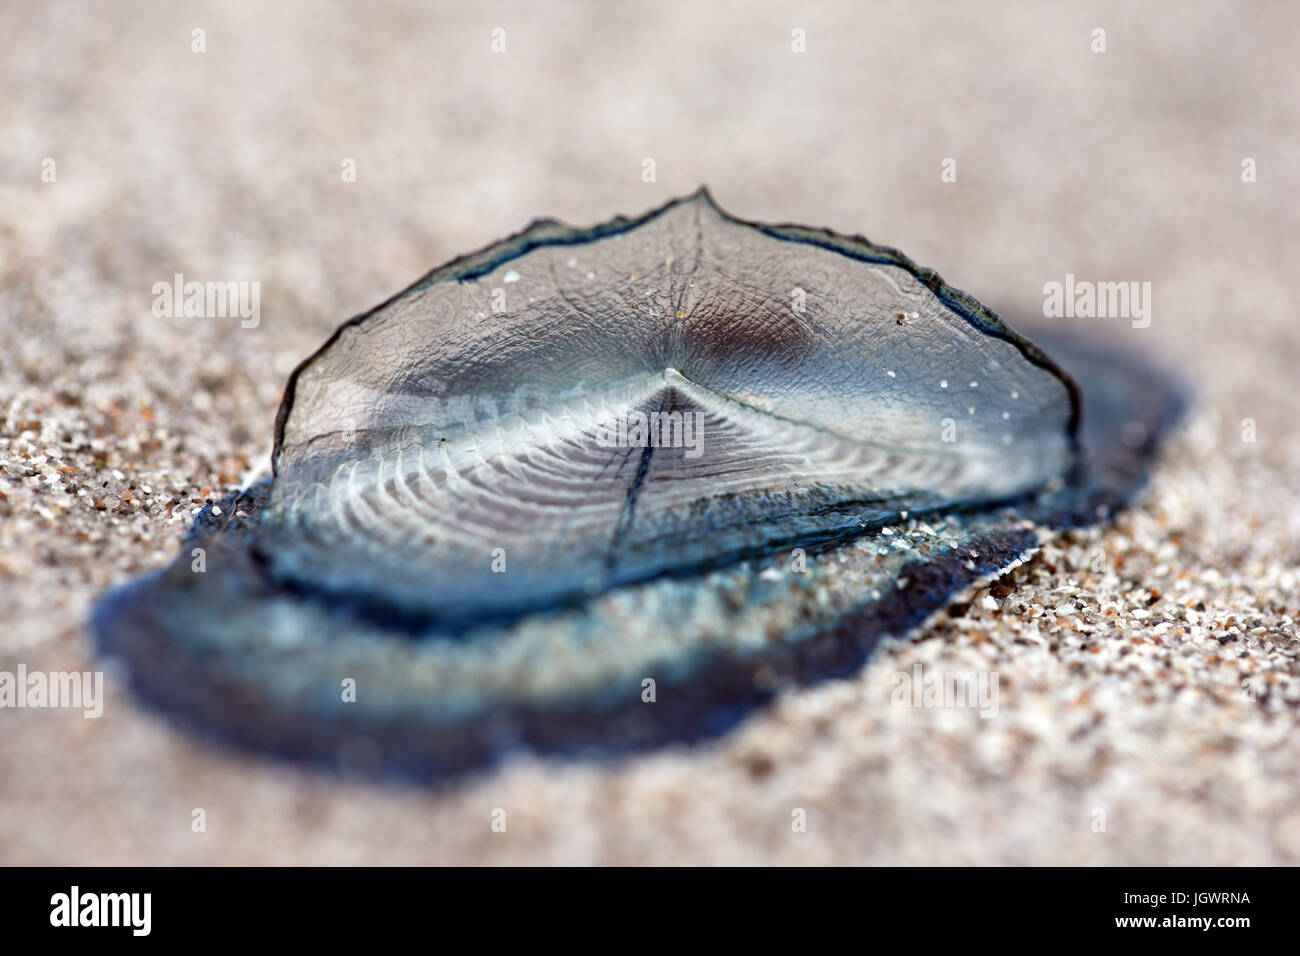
(1121, 654)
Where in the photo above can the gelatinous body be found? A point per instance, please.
(658, 449)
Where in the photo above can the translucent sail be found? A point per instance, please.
(571, 410)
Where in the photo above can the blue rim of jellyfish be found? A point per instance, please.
(550, 232)
(716, 693)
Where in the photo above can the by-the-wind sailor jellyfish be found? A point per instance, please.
(599, 489)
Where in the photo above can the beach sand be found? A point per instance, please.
(1148, 673)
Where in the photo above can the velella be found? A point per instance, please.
(589, 491)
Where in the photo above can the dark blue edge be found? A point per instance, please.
(719, 692)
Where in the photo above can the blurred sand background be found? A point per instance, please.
(1121, 686)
